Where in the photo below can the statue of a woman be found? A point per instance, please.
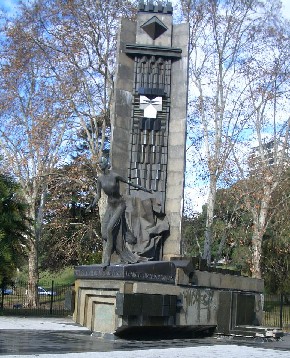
(114, 218)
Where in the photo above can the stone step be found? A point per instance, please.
(257, 331)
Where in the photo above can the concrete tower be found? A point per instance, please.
(149, 114)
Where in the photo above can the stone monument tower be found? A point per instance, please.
(149, 117)
(155, 287)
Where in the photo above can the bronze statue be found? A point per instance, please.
(114, 218)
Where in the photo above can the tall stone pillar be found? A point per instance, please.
(149, 114)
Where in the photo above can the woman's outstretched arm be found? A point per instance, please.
(134, 185)
(97, 196)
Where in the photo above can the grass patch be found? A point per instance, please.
(63, 277)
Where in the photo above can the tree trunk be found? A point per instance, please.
(209, 219)
(260, 224)
(221, 247)
(256, 252)
(36, 230)
(32, 296)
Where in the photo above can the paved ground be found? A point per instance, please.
(60, 337)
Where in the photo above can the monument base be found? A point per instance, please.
(171, 296)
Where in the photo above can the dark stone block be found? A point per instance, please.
(128, 305)
(159, 305)
(123, 112)
(245, 311)
(224, 312)
(168, 9)
(151, 91)
(135, 321)
(203, 265)
(152, 305)
(141, 6)
(172, 307)
(153, 271)
(126, 82)
(158, 8)
(146, 305)
(136, 49)
(185, 265)
(150, 6)
(166, 300)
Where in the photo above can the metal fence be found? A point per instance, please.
(53, 300)
(56, 300)
(277, 311)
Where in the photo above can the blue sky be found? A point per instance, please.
(8, 5)
(286, 8)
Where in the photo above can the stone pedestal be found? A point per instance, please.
(167, 295)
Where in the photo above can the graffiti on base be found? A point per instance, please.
(201, 301)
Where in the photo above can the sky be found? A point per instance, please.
(286, 8)
(196, 193)
(8, 5)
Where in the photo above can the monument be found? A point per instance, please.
(147, 283)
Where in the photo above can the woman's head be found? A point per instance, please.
(104, 163)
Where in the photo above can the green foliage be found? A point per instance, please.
(231, 232)
(276, 245)
(71, 236)
(193, 234)
(276, 264)
(241, 258)
(70, 243)
(12, 228)
(61, 277)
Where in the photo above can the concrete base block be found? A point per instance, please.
(196, 300)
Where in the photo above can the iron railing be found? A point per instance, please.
(277, 311)
(58, 300)
(53, 300)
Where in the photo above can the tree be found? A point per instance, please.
(276, 242)
(13, 228)
(257, 193)
(34, 122)
(265, 164)
(56, 90)
(226, 37)
(192, 233)
(232, 228)
(71, 235)
(220, 37)
(79, 39)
